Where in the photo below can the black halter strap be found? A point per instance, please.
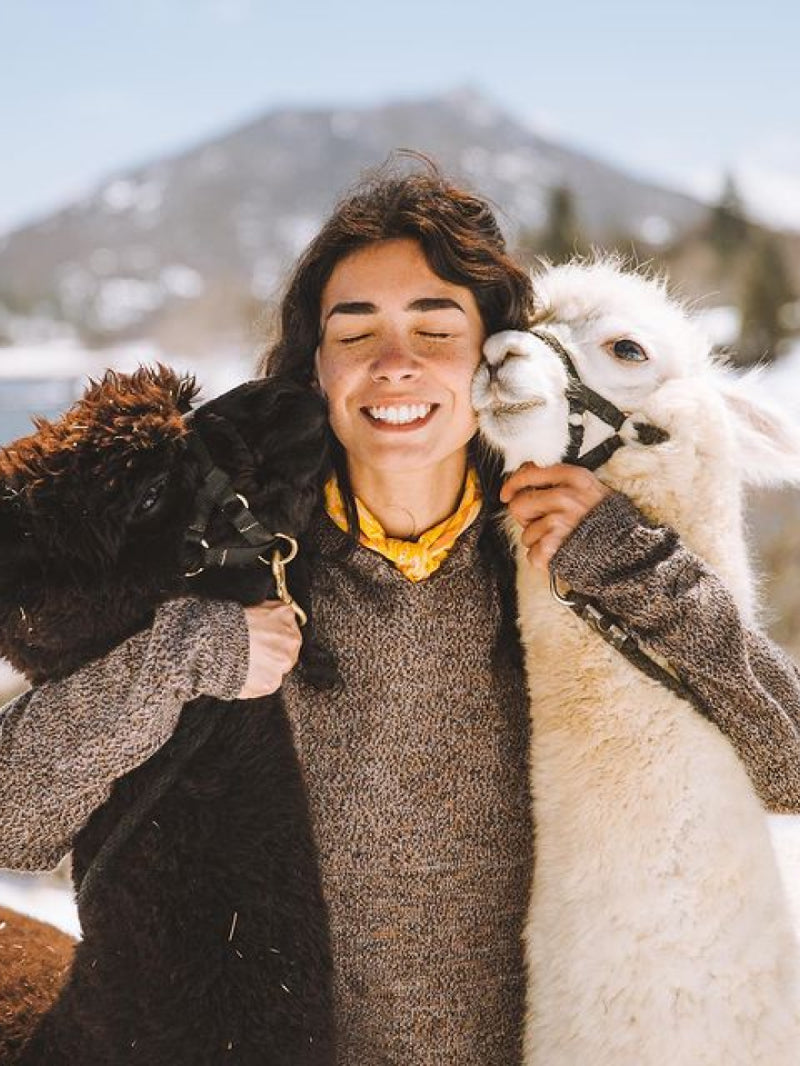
(216, 492)
(582, 399)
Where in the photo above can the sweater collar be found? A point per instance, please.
(415, 559)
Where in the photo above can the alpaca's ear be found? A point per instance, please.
(185, 393)
(767, 437)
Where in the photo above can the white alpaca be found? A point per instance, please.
(658, 932)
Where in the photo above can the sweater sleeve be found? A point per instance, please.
(679, 607)
(64, 743)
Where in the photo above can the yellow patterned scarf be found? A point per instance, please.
(416, 559)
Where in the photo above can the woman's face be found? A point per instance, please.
(398, 351)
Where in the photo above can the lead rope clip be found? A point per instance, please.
(278, 565)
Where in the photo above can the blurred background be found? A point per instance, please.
(165, 162)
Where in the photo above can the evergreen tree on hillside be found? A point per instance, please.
(560, 238)
(766, 292)
(728, 228)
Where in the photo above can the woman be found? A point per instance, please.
(415, 764)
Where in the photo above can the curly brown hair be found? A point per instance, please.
(460, 239)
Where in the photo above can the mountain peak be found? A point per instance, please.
(215, 227)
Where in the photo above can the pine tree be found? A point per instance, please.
(767, 290)
(560, 238)
(728, 228)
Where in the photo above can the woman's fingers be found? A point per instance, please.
(275, 642)
(549, 502)
(529, 504)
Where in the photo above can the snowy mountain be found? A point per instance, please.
(216, 226)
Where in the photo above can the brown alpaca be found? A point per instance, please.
(94, 513)
(34, 961)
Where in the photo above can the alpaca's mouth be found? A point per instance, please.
(502, 410)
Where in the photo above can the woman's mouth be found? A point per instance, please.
(400, 416)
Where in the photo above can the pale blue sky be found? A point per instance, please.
(677, 90)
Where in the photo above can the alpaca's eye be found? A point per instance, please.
(629, 350)
(151, 497)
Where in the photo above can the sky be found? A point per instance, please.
(680, 91)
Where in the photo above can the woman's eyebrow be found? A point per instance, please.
(424, 303)
(434, 303)
(364, 307)
(355, 307)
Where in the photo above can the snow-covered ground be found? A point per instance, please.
(63, 357)
(42, 897)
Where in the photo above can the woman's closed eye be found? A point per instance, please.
(355, 338)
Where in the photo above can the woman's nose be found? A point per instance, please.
(394, 362)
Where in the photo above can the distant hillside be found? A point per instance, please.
(187, 248)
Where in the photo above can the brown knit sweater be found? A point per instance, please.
(416, 769)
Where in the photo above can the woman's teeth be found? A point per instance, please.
(400, 415)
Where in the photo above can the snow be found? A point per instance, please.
(125, 195)
(477, 161)
(180, 280)
(103, 261)
(515, 166)
(57, 359)
(122, 302)
(41, 896)
(75, 286)
(65, 360)
(656, 230)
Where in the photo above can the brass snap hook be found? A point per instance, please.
(278, 565)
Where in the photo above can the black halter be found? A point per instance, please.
(216, 493)
(612, 629)
(582, 399)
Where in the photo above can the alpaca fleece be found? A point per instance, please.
(659, 931)
(36, 959)
(205, 933)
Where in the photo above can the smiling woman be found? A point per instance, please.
(396, 370)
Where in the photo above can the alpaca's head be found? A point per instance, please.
(94, 507)
(635, 346)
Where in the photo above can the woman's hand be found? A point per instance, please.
(274, 647)
(549, 502)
